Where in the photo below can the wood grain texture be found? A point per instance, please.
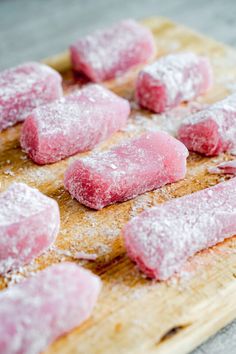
(136, 315)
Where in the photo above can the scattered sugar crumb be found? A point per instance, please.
(86, 256)
(9, 172)
(17, 275)
(169, 121)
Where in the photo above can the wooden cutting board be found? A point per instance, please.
(134, 314)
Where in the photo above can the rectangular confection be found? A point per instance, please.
(134, 167)
(29, 223)
(171, 80)
(161, 239)
(41, 308)
(109, 53)
(25, 87)
(212, 130)
(72, 124)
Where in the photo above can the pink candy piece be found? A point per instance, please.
(139, 165)
(171, 80)
(75, 123)
(41, 308)
(25, 87)
(161, 239)
(109, 53)
(228, 167)
(29, 223)
(213, 130)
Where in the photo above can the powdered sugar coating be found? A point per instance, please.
(134, 167)
(74, 123)
(108, 53)
(171, 80)
(25, 87)
(36, 311)
(161, 239)
(212, 130)
(29, 223)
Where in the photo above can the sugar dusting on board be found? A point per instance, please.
(15, 276)
(169, 121)
(9, 172)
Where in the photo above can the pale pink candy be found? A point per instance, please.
(213, 130)
(111, 52)
(171, 80)
(139, 165)
(161, 239)
(29, 223)
(228, 167)
(75, 123)
(25, 87)
(41, 308)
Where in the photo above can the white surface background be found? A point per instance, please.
(34, 29)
